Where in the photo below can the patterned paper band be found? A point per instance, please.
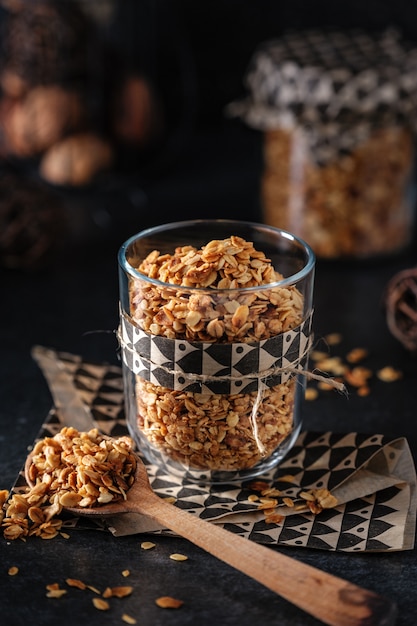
(203, 367)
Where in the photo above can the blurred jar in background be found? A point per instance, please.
(338, 113)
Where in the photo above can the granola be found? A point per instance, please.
(70, 469)
(201, 295)
(354, 206)
(316, 500)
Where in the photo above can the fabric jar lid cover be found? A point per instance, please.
(337, 86)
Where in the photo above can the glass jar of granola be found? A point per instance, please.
(337, 112)
(215, 321)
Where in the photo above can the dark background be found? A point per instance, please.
(222, 35)
(213, 41)
(196, 52)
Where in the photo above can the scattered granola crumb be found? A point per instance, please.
(178, 557)
(306, 495)
(322, 499)
(54, 591)
(258, 485)
(311, 393)
(147, 545)
(128, 619)
(358, 377)
(117, 592)
(167, 602)
(170, 499)
(13, 570)
(101, 604)
(332, 365)
(267, 503)
(126, 573)
(333, 338)
(313, 499)
(74, 582)
(389, 374)
(356, 355)
(271, 491)
(273, 517)
(288, 478)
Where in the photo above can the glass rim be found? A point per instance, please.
(152, 230)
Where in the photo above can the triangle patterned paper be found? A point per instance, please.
(381, 521)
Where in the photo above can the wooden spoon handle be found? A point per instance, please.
(332, 600)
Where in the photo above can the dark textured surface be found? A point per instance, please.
(72, 306)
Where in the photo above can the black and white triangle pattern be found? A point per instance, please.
(204, 367)
(380, 521)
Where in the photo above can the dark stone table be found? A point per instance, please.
(73, 306)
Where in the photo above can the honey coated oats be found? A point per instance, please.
(207, 430)
(70, 469)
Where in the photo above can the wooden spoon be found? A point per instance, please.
(332, 600)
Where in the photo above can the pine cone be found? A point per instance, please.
(45, 42)
(401, 308)
(32, 223)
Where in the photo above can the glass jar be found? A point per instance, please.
(337, 112)
(215, 319)
(359, 205)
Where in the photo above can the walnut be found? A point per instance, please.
(76, 160)
(43, 117)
